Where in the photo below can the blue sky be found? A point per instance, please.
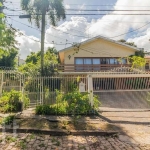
(79, 28)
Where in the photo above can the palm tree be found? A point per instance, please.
(43, 10)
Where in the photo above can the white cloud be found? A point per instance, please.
(142, 41)
(107, 25)
(77, 26)
(67, 6)
(27, 45)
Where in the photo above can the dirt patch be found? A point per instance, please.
(64, 125)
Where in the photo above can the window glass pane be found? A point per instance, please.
(112, 61)
(79, 61)
(103, 61)
(107, 61)
(116, 61)
(124, 61)
(147, 66)
(96, 61)
(87, 61)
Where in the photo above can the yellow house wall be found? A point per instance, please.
(100, 48)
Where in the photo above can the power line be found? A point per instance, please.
(50, 34)
(94, 5)
(85, 14)
(34, 39)
(131, 31)
(107, 5)
(87, 9)
(39, 30)
(88, 37)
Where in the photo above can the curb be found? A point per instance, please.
(62, 132)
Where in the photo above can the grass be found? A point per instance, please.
(10, 139)
(22, 144)
(64, 125)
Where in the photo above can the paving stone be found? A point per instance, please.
(78, 142)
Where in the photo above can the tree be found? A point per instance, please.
(128, 43)
(8, 58)
(39, 9)
(137, 62)
(33, 58)
(32, 65)
(8, 49)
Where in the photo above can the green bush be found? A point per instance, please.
(12, 101)
(8, 120)
(59, 108)
(78, 103)
(71, 103)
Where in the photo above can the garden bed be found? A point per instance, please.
(44, 124)
(56, 128)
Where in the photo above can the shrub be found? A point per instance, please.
(12, 101)
(8, 120)
(59, 108)
(71, 103)
(78, 103)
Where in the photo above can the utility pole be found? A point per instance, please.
(42, 37)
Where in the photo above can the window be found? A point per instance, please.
(104, 60)
(112, 61)
(116, 61)
(124, 61)
(79, 61)
(96, 61)
(87, 61)
(147, 66)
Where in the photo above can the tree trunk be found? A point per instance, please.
(42, 42)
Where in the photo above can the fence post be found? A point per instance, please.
(90, 89)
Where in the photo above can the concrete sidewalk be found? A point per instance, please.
(135, 125)
(107, 109)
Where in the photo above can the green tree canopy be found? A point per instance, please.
(128, 43)
(41, 12)
(32, 65)
(8, 49)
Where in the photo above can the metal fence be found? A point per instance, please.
(121, 83)
(43, 90)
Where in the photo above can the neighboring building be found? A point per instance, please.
(21, 62)
(147, 65)
(94, 55)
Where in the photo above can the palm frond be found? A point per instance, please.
(37, 19)
(52, 18)
(25, 4)
(58, 7)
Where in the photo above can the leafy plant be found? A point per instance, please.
(70, 103)
(8, 120)
(137, 61)
(12, 101)
(78, 103)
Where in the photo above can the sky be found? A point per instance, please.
(77, 28)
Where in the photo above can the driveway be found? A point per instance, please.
(133, 124)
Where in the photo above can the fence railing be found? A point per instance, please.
(121, 83)
(43, 90)
(88, 67)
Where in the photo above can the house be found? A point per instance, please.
(147, 65)
(94, 55)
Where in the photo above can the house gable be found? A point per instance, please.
(98, 47)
